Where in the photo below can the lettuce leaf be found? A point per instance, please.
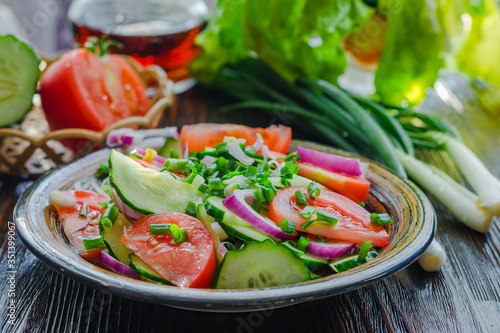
(296, 38)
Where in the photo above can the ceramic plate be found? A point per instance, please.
(410, 234)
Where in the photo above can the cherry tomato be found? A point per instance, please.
(188, 264)
(82, 90)
(353, 224)
(199, 136)
(77, 227)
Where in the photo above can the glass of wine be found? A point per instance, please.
(159, 32)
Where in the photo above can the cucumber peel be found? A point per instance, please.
(19, 74)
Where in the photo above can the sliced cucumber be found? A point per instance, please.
(342, 265)
(146, 190)
(232, 224)
(260, 265)
(170, 144)
(207, 221)
(246, 234)
(296, 180)
(145, 270)
(111, 237)
(314, 262)
(19, 73)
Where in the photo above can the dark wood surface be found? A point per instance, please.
(463, 297)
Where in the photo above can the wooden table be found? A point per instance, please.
(463, 297)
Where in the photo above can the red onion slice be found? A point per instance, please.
(334, 163)
(117, 266)
(237, 203)
(129, 213)
(330, 250)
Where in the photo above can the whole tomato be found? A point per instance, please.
(83, 90)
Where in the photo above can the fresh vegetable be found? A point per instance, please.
(353, 223)
(260, 265)
(117, 266)
(77, 228)
(184, 228)
(348, 166)
(19, 75)
(148, 191)
(98, 90)
(187, 264)
(199, 136)
(237, 202)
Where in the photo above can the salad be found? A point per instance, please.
(232, 215)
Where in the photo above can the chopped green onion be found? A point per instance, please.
(93, 243)
(256, 205)
(191, 209)
(301, 198)
(109, 216)
(173, 153)
(293, 157)
(308, 212)
(306, 224)
(103, 169)
(363, 251)
(180, 235)
(361, 203)
(83, 211)
(176, 165)
(380, 219)
(259, 195)
(327, 217)
(303, 243)
(160, 229)
(251, 172)
(312, 189)
(285, 182)
(287, 227)
(203, 188)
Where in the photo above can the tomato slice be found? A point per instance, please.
(189, 264)
(355, 188)
(354, 221)
(199, 136)
(76, 227)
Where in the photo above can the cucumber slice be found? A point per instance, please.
(19, 73)
(260, 265)
(314, 262)
(232, 224)
(296, 180)
(350, 262)
(111, 237)
(207, 221)
(145, 270)
(246, 234)
(146, 190)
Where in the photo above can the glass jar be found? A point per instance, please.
(160, 32)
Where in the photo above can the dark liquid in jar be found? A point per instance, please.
(173, 52)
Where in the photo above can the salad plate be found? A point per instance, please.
(409, 236)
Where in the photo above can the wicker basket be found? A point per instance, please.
(29, 148)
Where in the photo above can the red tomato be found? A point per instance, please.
(189, 264)
(82, 90)
(355, 188)
(354, 221)
(76, 227)
(199, 136)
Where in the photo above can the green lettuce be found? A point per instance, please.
(296, 38)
